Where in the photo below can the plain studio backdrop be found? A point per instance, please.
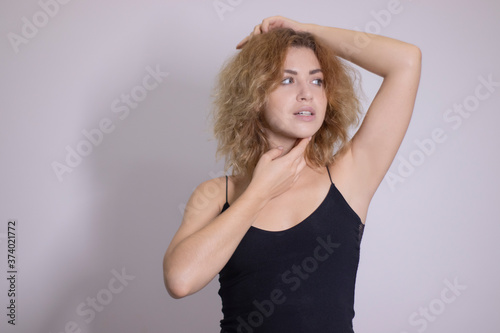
(104, 136)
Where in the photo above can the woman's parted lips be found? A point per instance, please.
(305, 108)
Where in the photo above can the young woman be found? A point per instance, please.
(283, 231)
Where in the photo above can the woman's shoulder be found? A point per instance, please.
(212, 183)
(208, 197)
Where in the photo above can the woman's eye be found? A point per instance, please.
(288, 80)
(319, 82)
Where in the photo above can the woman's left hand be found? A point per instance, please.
(271, 23)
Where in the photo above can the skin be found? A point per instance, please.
(283, 190)
(298, 88)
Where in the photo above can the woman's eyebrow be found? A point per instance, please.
(311, 72)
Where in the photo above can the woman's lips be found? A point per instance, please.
(305, 117)
(305, 113)
(305, 109)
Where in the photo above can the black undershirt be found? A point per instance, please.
(300, 279)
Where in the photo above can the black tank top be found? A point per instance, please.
(297, 280)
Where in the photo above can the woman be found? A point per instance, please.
(286, 245)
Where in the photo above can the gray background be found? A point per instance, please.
(120, 206)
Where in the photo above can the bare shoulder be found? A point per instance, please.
(208, 198)
(203, 206)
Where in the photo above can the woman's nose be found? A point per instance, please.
(304, 92)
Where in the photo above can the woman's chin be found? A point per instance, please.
(281, 136)
(304, 134)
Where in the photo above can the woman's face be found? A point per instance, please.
(296, 109)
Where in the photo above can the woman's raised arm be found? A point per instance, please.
(384, 126)
(379, 137)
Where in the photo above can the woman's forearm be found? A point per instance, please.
(377, 54)
(193, 262)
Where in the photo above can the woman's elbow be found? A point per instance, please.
(177, 286)
(414, 57)
(176, 290)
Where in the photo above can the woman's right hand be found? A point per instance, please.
(275, 174)
(271, 23)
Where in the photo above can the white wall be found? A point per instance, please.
(118, 208)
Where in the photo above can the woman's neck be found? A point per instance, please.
(286, 143)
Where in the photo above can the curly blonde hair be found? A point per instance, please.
(243, 87)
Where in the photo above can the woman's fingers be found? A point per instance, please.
(274, 153)
(265, 25)
(268, 24)
(275, 174)
(298, 150)
(256, 30)
(243, 42)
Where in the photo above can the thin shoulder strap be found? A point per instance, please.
(226, 190)
(226, 205)
(329, 174)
